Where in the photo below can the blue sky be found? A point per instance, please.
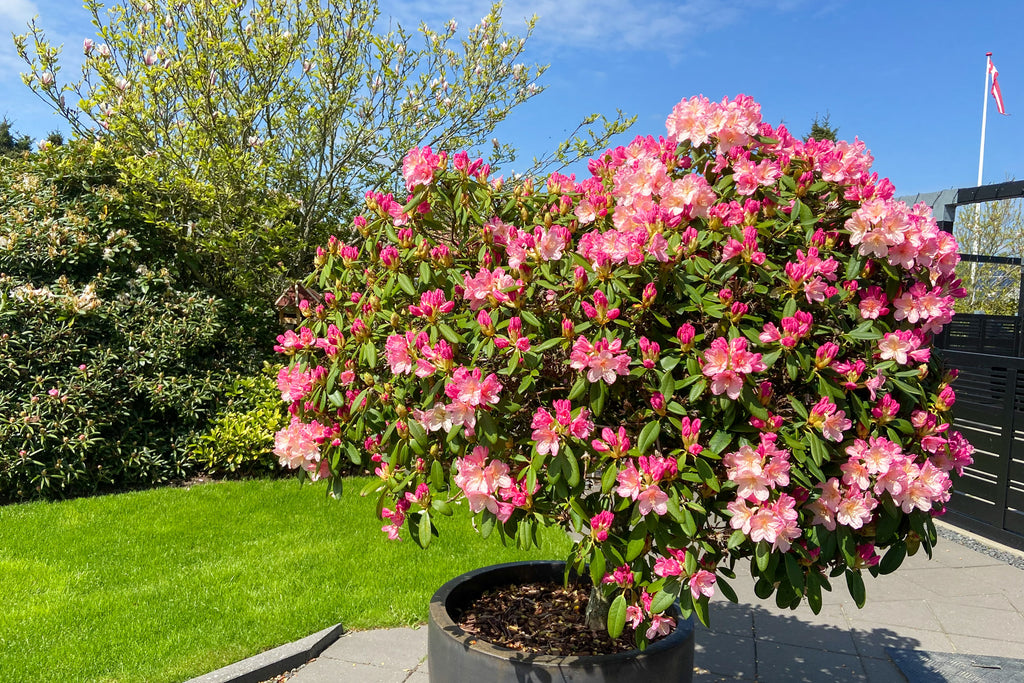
(905, 77)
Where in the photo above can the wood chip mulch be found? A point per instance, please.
(540, 618)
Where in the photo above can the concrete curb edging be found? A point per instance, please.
(274, 662)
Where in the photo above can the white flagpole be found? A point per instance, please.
(984, 117)
(981, 165)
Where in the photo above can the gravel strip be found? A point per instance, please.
(281, 678)
(1012, 559)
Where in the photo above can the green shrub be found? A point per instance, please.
(241, 440)
(112, 356)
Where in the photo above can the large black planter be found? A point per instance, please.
(454, 655)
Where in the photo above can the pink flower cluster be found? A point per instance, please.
(874, 467)
(757, 473)
(480, 480)
(727, 363)
(729, 123)
(298, 445)
(642, 485)
(603, 360)
(419, 166)
(548, 430)
(412, 353)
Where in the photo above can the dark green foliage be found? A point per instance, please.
(822, 129)
(112, 356)
(12, 142)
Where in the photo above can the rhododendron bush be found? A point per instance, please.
(716, 347)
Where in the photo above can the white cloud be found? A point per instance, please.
(619, 25)
(17, 12)
(14, 16)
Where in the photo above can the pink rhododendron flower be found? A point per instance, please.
(600, 524)
(702, 583)
(727, 363)
(470, 387)
(419, 165)
(603, 360)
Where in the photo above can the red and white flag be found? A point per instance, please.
(996, 92)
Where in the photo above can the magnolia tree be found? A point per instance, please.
(716, 347)
(283, 109)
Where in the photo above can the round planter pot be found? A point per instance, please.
(454, 655)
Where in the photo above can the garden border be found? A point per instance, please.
(275, 662)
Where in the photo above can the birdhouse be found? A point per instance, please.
(292, 301)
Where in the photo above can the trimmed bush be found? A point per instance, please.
(241, 440)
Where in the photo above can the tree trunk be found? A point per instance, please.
(597, 610)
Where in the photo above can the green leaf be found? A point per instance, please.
(662, 601)
(697, 389)
(818, 450)
(762, 555)
(424, 273)
(648, 436)
(813, 592)
(727, 590)
(437, 475)
(701, 609)
(667, 386)
(572, 471)
(608, 477)
(425, 529)
(720, 441)
(578, 388)
(789, 309)
(448, 333)
(893, 558)
(547, 344)
(736, 539)
(372, 486)
(370, 354)
(598, 393)
(855, 584)
(794, 573)
(617, 616)
(704, 470)
(597, 567)
(637, 542)
(406, 284)
(486, 525)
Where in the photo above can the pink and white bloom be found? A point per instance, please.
(727, 363)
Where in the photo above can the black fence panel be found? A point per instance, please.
(989, 412)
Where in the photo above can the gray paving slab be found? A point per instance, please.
(982, 622)
(401, 649)
(828, 630)
(873, 643)
(733, 618)
(726, 655)
(882, 670)
(782, 663)
(989, 647)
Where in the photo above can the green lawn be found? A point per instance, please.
(167, 584)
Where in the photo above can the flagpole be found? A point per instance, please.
(981, 164)
(984, 117)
